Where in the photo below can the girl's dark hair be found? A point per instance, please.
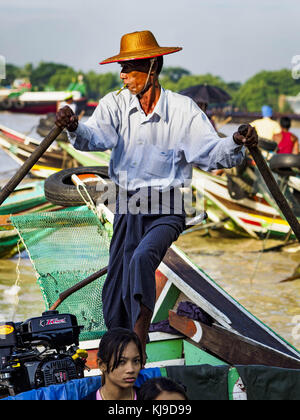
(113, 343)
(154, 386)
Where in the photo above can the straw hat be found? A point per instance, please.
(139, 45)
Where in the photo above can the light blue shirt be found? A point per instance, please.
(158, 149)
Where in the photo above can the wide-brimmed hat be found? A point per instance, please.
(139, 45)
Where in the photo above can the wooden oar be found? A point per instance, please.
(273, 186)
(29, 163)
(78, 286)
(295, 276)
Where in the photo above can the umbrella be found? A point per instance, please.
(206, 93)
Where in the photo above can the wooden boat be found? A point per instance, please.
(236, 337)
(10, 243)
(60, 155)
(253, 216)
(39, 102)
(46, 124)
(250, 216)
(85, 158)
(19, 147)
(27, 198)
(233, 337)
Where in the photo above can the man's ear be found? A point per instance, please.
(155, 67)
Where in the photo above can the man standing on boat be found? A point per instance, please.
(155, 136)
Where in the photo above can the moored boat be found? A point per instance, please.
(254, 216)
(27, 198)
(232, 336)
(60, 155)
(39, 102)
(19, 147)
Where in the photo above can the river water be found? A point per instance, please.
(251, 277)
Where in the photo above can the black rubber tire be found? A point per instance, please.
(283, 164)
(268, 145)
(60, 190)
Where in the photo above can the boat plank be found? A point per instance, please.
(5, 220)
(230, 347)
(242, 321)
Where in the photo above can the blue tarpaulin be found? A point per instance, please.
(76, 389)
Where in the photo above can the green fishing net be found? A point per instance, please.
(65, 247)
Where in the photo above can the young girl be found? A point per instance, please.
(120, 361)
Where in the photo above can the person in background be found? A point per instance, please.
(287, 142)
(161, 388)
(69, 101)
(120, 361)
(266, 127)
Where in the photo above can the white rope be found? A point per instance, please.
(12, 294)
(90, 203)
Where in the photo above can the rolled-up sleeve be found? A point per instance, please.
(100, 131)
(203, 147)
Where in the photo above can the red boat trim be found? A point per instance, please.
(251, 222)
(12, 136)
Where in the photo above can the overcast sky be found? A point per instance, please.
(231, 38)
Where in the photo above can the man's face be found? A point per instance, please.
(134, 74)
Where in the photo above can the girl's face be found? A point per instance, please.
(126, 373)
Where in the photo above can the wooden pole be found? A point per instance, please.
(78, 286)
(273, 186)
(29, 163)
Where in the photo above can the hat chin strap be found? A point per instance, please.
(146, 86)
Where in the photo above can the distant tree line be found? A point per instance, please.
(264, 87)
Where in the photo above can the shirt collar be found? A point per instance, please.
(160, 108)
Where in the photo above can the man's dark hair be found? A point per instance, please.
(154, 386)
(285, 122)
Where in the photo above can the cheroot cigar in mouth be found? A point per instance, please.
(122, 88)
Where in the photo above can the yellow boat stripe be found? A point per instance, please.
(269, 220)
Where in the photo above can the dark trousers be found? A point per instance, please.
(139, 244)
